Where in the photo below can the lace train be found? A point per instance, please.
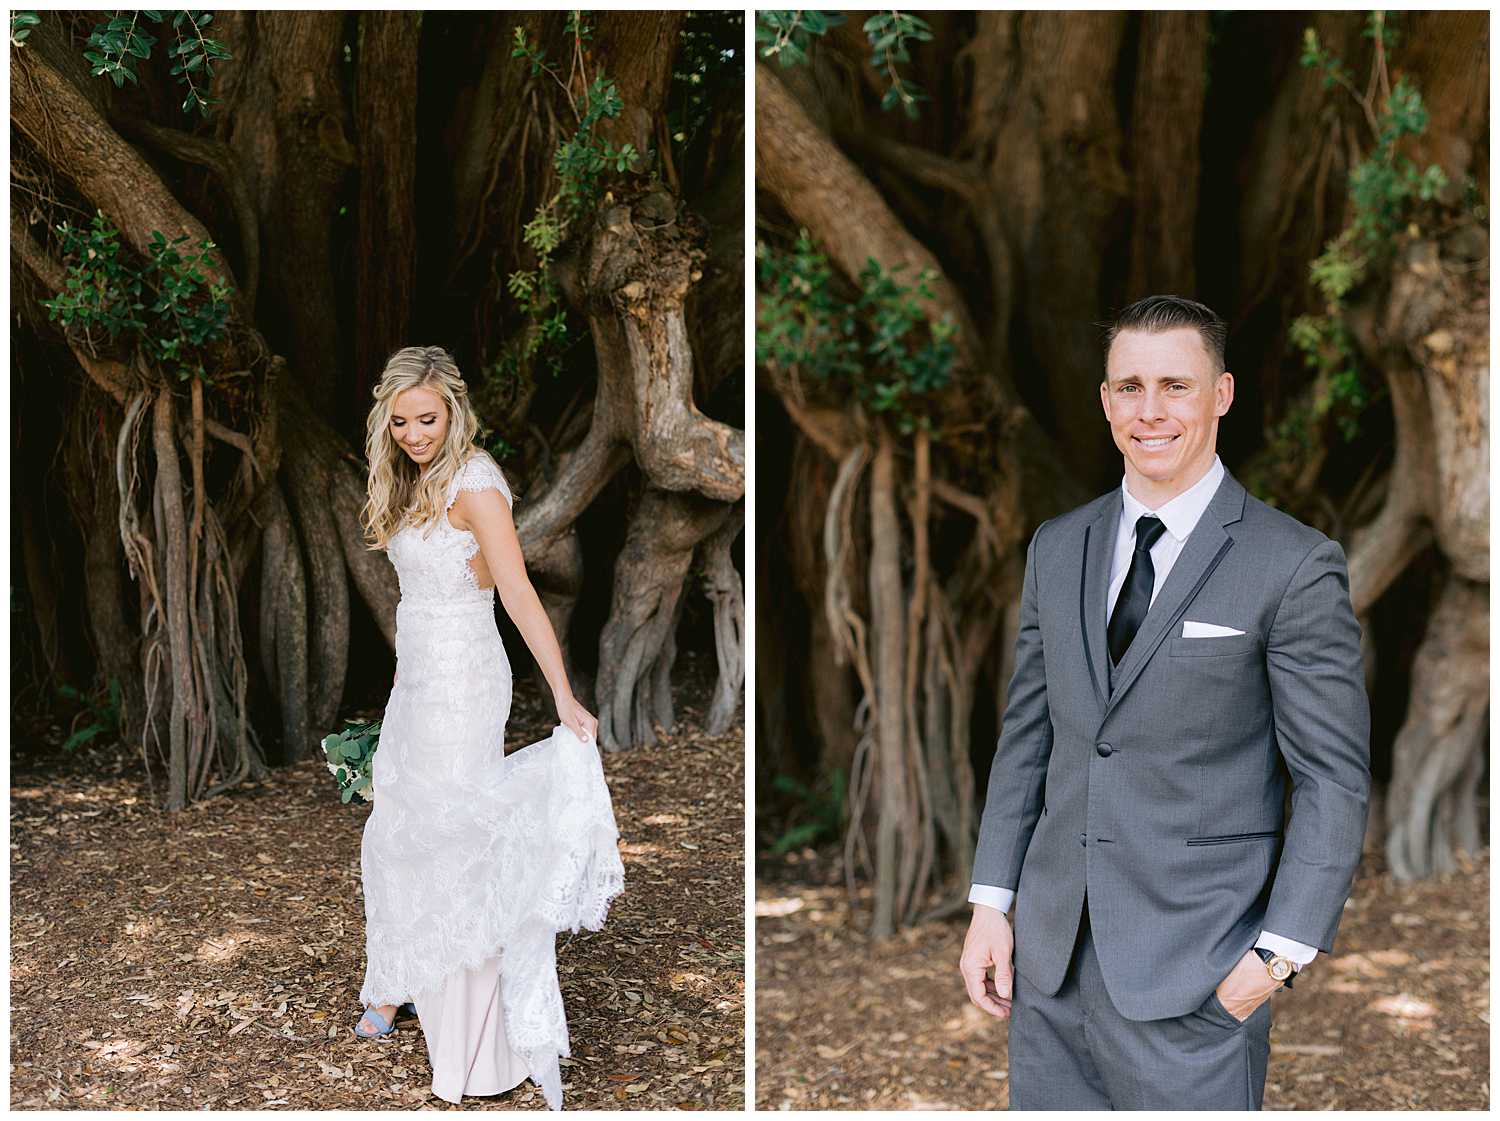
(553, 866)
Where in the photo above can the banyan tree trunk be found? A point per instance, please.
(1430, 336)
(193, 674)
(91, 484)
(284, 117)
(1432, 805)
(386, 246)
(631, 278)
(636, 647)
(726, 591)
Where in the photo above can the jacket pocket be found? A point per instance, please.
(1179, 647)
(1233, 838)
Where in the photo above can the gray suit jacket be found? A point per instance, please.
(1158, 787)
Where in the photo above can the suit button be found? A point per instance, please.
(1104, 750)
(1083, 839)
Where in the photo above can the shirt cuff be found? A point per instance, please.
(1294, 952)
(999, 898)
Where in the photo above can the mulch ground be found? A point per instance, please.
(1396, 1018)
(213, 958)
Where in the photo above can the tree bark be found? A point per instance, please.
(310, 485)
(283, 115)
(664, 532)
(283, 623)
(1166, 120)
(386, 244)
(893, 826)
(632, 283)
(1445, 729)
(726, 592)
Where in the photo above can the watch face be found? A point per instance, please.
(1280, 968)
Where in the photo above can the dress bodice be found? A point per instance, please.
(432, 561)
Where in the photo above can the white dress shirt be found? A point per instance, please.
(1179, 516)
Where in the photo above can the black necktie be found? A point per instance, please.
(1135, 596)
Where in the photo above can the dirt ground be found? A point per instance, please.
(1397, 1018)
(213, 959)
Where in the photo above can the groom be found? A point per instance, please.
(1186, 655)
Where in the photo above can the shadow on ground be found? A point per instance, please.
(1397, 1018)
(213, 958)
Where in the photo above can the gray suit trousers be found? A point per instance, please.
(1074, 1050)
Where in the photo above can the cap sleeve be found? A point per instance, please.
(480, 473)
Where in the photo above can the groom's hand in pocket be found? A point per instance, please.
(1247, 987)
(989, 944)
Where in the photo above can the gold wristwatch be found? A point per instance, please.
(1281, 969)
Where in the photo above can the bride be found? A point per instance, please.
(473, 860)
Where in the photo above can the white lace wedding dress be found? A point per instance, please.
(473, 860)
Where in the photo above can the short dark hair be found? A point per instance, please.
(1166, 313)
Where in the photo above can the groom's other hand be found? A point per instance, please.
(989, 943)
(1247, 987)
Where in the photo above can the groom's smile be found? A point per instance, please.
(1163, 397)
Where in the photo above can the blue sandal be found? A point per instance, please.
(407, 1009)
(377, 1019)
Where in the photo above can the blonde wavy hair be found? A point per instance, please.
(399, 493)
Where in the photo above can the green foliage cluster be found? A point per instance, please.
(106, 290)
(788, 36)
(583, 159)
(118, 41)
(583, 163)
(1317, 57)
(350, 758)
(101, 714)
(1385, 189)
(878, 346)
(817, 814)
(21, 24)
(889, 34)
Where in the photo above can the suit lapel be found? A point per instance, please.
(1093, 592)
(1204, 549)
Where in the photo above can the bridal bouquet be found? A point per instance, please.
(351, 758)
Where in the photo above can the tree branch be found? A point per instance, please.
(77, 141)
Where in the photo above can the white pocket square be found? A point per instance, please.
(1191, 629)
